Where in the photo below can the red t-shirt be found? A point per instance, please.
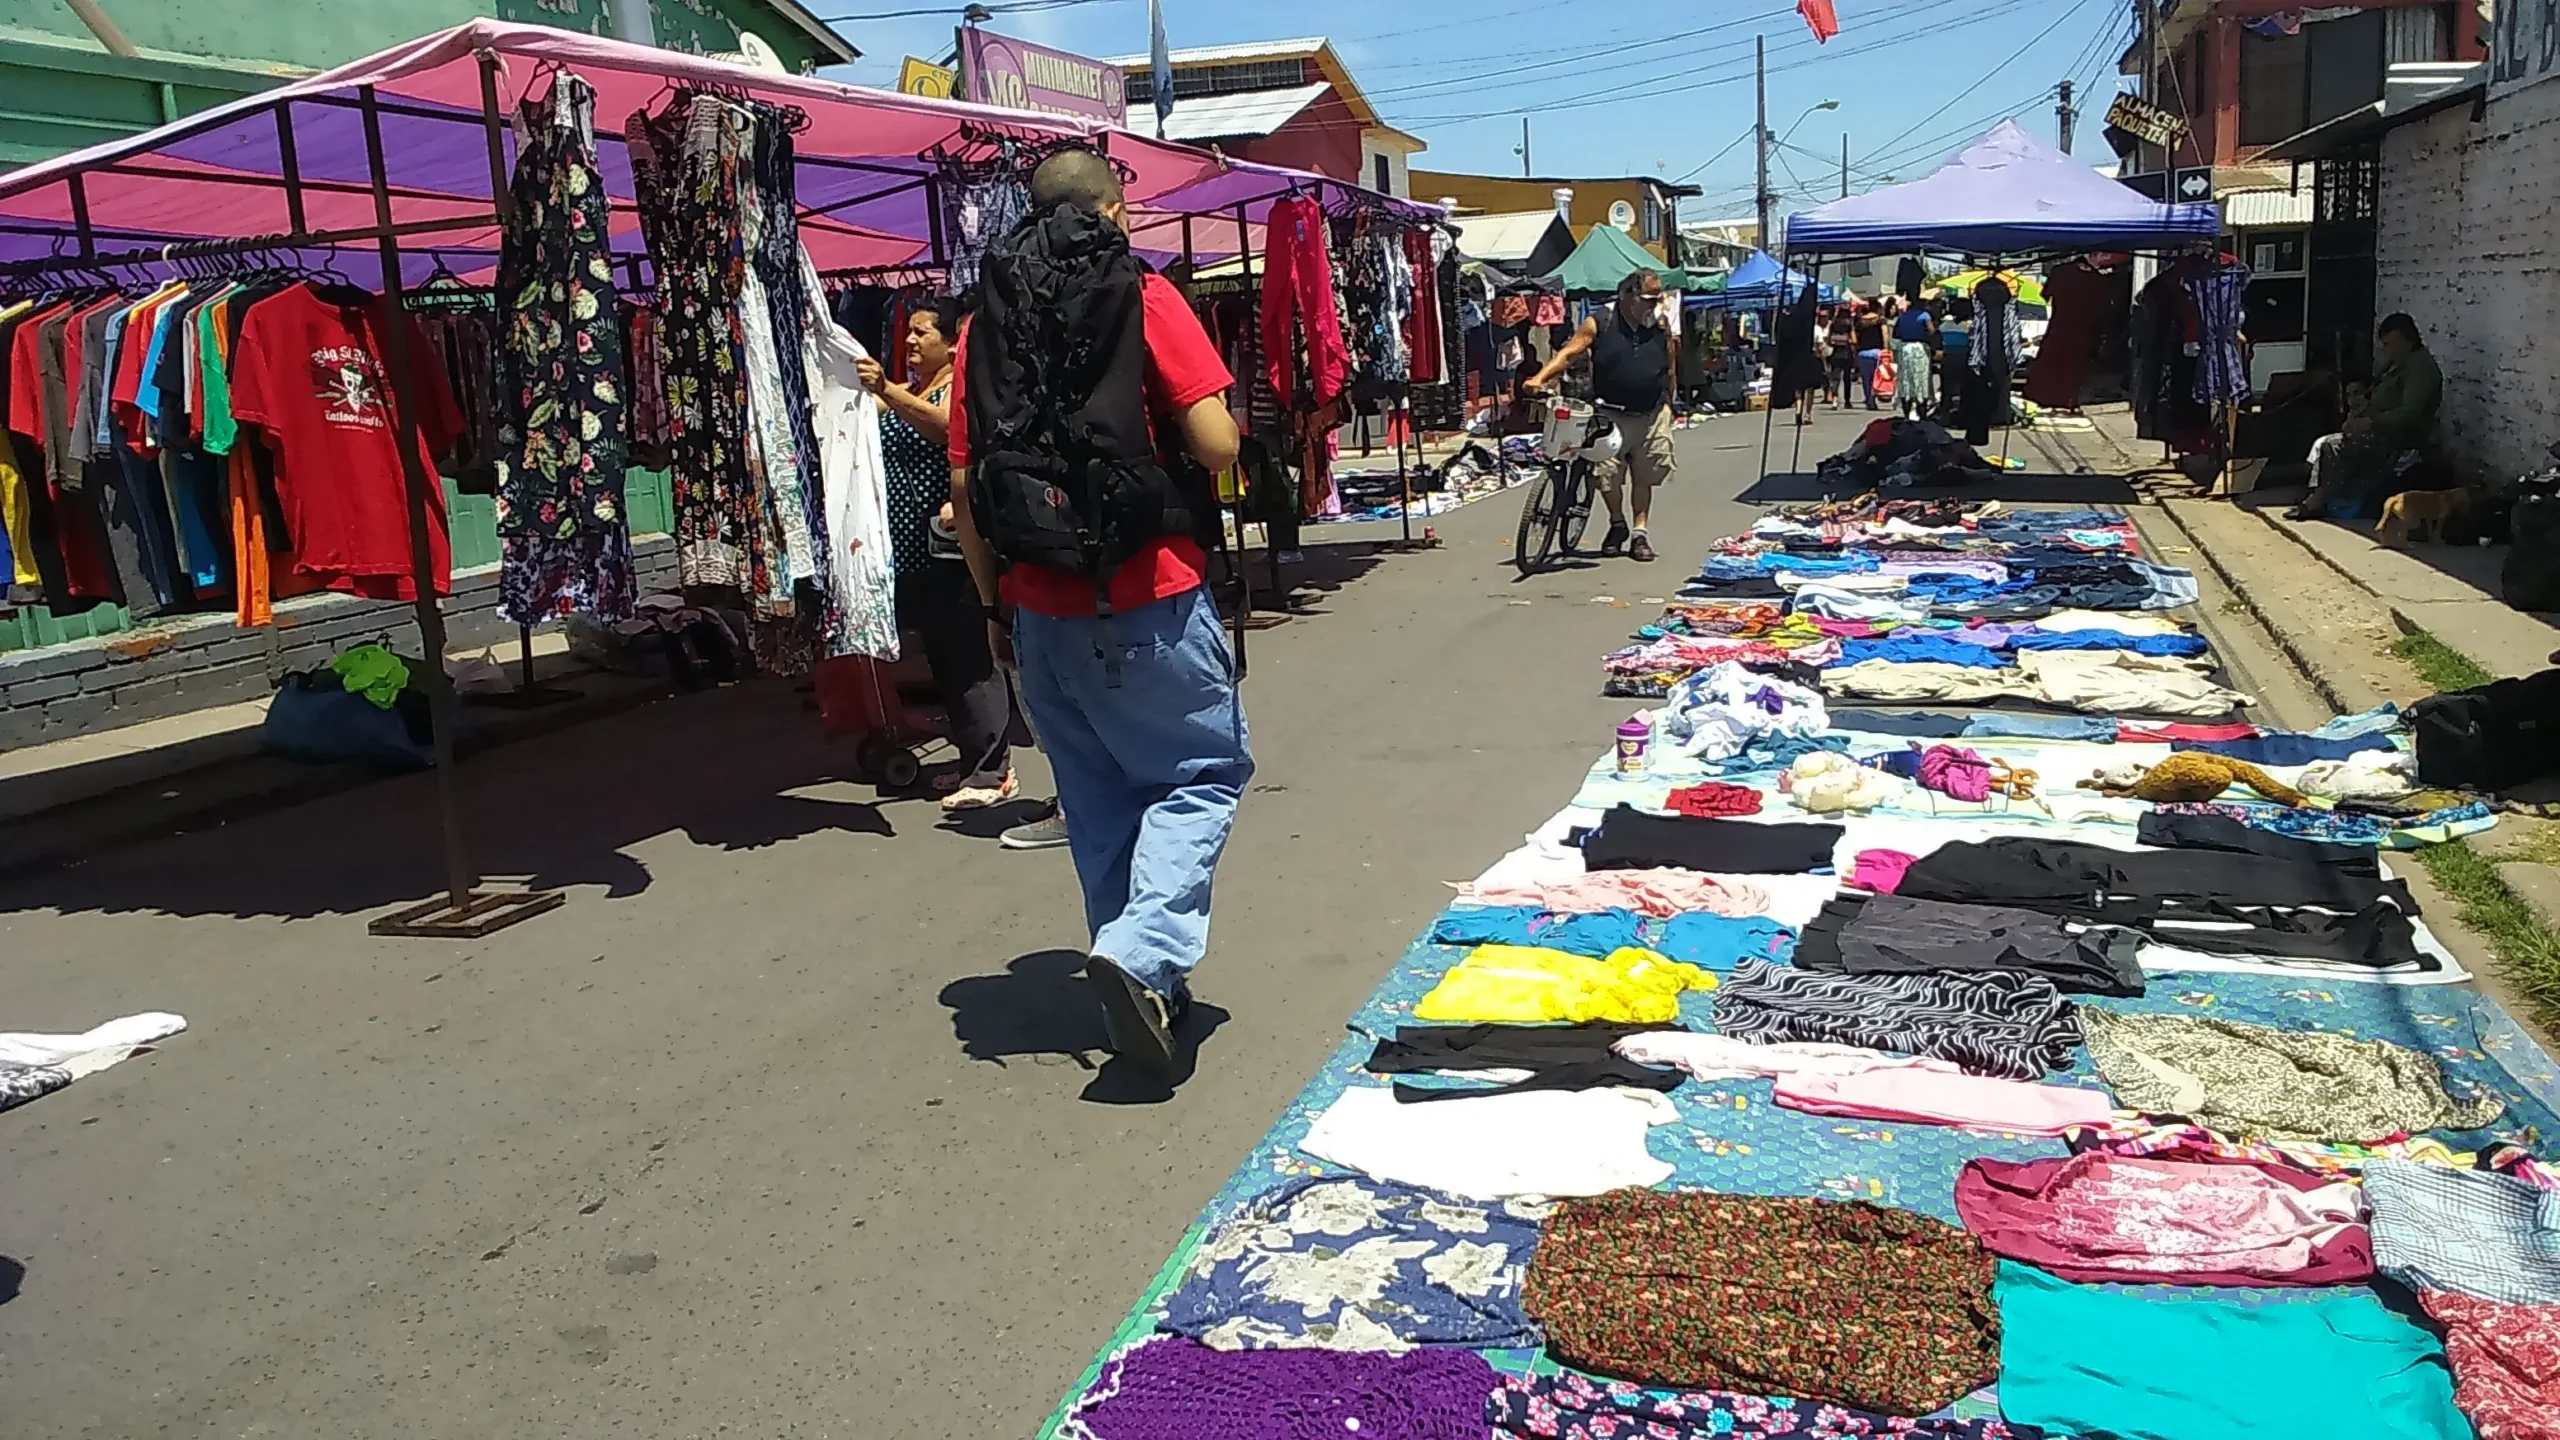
(1183, 369)
(311, 376)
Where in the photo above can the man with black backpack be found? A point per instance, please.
(1088, 417)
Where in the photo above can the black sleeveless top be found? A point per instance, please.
(1630, 367)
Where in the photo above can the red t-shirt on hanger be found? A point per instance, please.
(312, 377)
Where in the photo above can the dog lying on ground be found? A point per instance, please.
(2404, 513)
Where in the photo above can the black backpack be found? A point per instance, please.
(2490, 737)
(1063, 470)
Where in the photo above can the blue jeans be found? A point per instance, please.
(1867, 360)
(1148, 772)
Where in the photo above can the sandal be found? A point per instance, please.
(979, 797)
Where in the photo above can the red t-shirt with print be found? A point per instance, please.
(1183, 369)
(313, 377)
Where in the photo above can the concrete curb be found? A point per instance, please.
(2346, 694)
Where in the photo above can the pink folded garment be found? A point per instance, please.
(1880, 871)
(1660, 893)
(2098, 1217)
(1946, 1097)
(1956, 772)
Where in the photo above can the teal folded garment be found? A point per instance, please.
(2166, 1363)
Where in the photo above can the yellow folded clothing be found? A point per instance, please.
(1527, 985)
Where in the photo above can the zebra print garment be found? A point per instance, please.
(2001, 1023)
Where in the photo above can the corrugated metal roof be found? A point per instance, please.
(1514, 236)
(1216, 54)
(2251, 209)
(1255, 112)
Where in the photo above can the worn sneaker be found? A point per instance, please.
(1046, 833)
(1137, 1023)
(1640, 548)
(1615, 540)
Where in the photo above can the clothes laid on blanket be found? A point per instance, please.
(1423, 1268)
(1661, 891)
(2170, 645)
(1894, 682)
(2173, 1139)
(1720, 942)
(2506, 1364)
(1722, 1057)
(1844, 1302)
(1713, 800)
(1936, 1093)
(2275, 748)
(2182, 1365)
(1997, 1023)
(2067, 877)
(1566, 1406)
(35, 1065)
(1713, 714)
(1597, 934)
(2097, 1218)
(1911, 724)
(2253, 1080)
(1880, 871)
(1172, 1388)
(1541, 1142)
(2466, 1231)
(1921, 650)
(1525, 985)
(1897, 935)
(2170, 830)
(1629, 839)
(2118, 682)
(1557, 1057)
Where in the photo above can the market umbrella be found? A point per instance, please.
(1605, 257)
(2025, 289)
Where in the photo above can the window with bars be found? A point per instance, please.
(1238, 79)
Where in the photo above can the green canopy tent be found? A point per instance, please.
(1605, 257)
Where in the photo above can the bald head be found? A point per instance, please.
(1080, 178)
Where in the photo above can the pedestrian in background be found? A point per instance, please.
(1869, 328)
(1915, 337)
(1842, 338)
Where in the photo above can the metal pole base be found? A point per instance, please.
(485, 912)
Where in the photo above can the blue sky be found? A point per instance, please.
(1610, 94)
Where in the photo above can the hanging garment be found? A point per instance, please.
(1298, 307)
(1997, 1023)
(1438, 1269)
(1657, 892)
(1797, 366)
(2506, 1364)
(1897, 935)
(1171, 1388)
(2098, 1218)
(2326, 1365)
(1524, 985)
(2252, 1080)
(981, 204)
(1540, 1142)
(2221, 298)
(1936, 1093)
(1846, 1303)
(1629, 839)
(773, 427)
(1566, 1406)
(793, 297)
(1567, 1057)
(561, 432)
(2488, 1236)
(2081, 306)
(862, 601)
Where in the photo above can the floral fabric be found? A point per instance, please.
(1848, 1303)
(1357, 1264)
(562, 440)
(2506, 1364)
(2135, 1221)
(2290, 1084)
(1572, 1407)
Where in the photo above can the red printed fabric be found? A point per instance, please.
(1714, 800)
(2506, 1364)
(2097, 1217)
(2129, 733)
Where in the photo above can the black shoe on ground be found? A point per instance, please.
(1614, 541)
(1137, 1022)
(2302, 510)
(1640, 548)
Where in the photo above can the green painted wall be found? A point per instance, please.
(694, 26)
(309, 34)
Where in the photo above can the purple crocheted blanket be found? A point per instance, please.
(1179, 1389)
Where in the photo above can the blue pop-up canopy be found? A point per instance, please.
(2005, 194)
(1760, 282)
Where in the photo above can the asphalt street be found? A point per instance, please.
(792, 1122)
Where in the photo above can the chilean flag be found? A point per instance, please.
(1820, 18)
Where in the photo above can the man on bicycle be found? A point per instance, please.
(1631, 361)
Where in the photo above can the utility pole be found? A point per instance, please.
(1760, 133)
(2068, 116)
(1844, 165)
(2150, 68)
(1525, 170)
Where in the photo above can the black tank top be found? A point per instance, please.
(1629, 366)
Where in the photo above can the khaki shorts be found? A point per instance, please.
(1644, 446)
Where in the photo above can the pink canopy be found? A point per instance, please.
(863, 160)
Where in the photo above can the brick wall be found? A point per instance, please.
(198, 661)
(2469, 245)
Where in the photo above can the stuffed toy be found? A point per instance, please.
(2189, 777)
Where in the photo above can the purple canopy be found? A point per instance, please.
(2005, 194)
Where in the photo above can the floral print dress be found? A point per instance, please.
(562, 438)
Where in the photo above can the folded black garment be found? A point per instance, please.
(1891, 935)
(1560, 1057)
(2070, 878)
(2176, 831)
(1748, 587)
(1629, 839)
(2378, 935)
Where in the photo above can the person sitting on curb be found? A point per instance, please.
(2365, 460)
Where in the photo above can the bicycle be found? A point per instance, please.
(1558, 508)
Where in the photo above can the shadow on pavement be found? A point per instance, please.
(737, 769)
(1040, 1006)
(12, 1274)
(2022, 487)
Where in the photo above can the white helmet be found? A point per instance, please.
(1604, 445)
